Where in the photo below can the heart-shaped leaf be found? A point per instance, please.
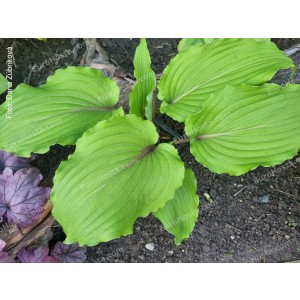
(116, 175)
(180, 214)
(36, 255)
(69, 253)
(193, 75)
(21, 199)
(243, 127)
(12, 161)
(59, 112)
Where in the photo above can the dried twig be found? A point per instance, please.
(238, 230)
(239, 191)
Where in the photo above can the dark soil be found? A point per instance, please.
(122, 51)
(286, 43)
(35, 60)
(252, 218)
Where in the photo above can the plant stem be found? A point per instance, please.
(181, 141)
(167, 129)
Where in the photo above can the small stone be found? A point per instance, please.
(264, 199)
(232, 237)
(171, 252)
(149, 246)
(208, 197)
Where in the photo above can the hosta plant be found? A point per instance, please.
(122, 168)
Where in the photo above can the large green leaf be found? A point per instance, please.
(186, 43)
(3, 84)
(243, 127)
(141, 97)
(116, 175)
(59, 112)
(193, 75)
(180, 214)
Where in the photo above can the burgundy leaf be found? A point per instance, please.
(21, 199)
(50, 259)
(69, 253)
(36, 255)
(4, 257)
(12, 161)
(2, 245)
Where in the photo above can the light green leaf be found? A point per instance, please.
(193, 75)
(209, 40)
(180, 214)
(59, 112)
(3, 84)
(243, 127)
(141, 97)
(186, 43)
(116, 175)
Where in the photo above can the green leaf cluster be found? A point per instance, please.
(121, 170)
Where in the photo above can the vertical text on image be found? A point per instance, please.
(9, 78)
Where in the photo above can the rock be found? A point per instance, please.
(149, 246)
(264, 199)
